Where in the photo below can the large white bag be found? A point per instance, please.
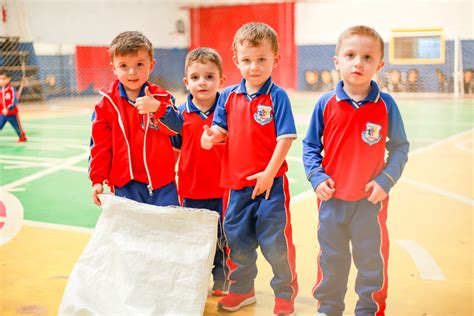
(143, 260)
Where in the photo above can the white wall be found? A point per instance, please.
(96, 22)
(322, 21)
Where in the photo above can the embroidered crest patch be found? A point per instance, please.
(263, 115)
(153, 123)
(372, 135)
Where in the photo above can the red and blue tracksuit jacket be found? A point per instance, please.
(126, 145)
(9, 100)
(354, 142)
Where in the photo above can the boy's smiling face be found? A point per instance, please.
(255, 63)
(133, 70)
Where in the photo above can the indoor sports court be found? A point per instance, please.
(46, 212)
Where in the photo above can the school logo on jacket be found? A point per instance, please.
(152, 123)
(372, 135)
(263, 115)
(8, 96)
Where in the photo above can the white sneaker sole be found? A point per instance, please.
(249, 301)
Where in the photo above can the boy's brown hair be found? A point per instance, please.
(129, 42)
(5, 73)
(360, 30)
(254, 34)
(203, 55)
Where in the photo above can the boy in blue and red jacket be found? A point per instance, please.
(344, 158)
(131, 129)
(8, 106)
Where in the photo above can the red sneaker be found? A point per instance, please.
(234, 301)
(219, 293)
(283, 307)
(22, 139)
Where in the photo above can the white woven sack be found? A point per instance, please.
(143, 260)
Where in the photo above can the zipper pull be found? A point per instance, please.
(150, 190)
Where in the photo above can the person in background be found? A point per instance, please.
(9, 106)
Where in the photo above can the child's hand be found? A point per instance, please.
(147, 104)
(97, 189)
(207, 138)
(264, 184)
(4, 111)
(378, 193)
(325, 190)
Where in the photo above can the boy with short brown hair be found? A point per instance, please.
(255, 120)
(350, 131)
(130, 145)
(199, 170)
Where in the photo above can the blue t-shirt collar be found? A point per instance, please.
(123, 93)
(373, 96)
(191, 107)
(265, 89)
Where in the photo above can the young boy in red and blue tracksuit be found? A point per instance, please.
(344, 151)
(199, 170)
(8, 106)
(131, 128)
(255, 120)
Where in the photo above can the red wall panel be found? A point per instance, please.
(215, 27)
(93, 68)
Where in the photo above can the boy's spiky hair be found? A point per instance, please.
(130, 42)
(203, 55)
(360, 30)
(254, 34)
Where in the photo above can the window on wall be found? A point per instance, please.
(417, 47)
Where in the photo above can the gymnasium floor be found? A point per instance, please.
(430, 213)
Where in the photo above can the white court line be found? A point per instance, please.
(431, 188)
(427, 266)
(65, 164)
(466, 146)
(33, 158)
(439, 143)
